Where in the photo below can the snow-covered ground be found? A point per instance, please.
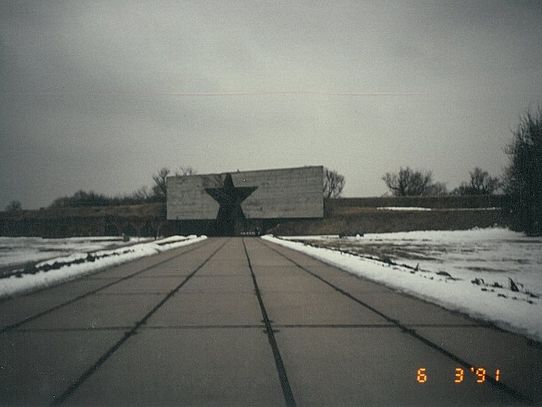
(468, 271)
(19, 250)
(81, 261)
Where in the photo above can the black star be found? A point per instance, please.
(230, 214)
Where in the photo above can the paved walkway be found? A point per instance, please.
(245, 322)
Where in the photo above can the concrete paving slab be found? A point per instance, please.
(195, 309)
(231, 261)
(330, 273)
(170, 262)
(233, 256)
(183, 265)
(180, 267)
(216, 283)
(317, 308)
(277, 263)
(278, 271)
(377, 366)
(298, 257)
(519, 359)
(222, 367)
(112, 273)
(290, 283)
(346, 279)
(123, 270)
(264, 257)
(18, 309)
(37, 366)
(141, 285)
(225, 269)
(177, 269)
(289, 268)
(72, 288)
(356, 285)
(98, 311)
(408, 310)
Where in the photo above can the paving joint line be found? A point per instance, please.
(141, 328)
(236, 326)
(334, 326)
(279, 364)
(80, 329)
(409, 331)
(121, 294)
(90, 371)
(15, 325)
(178, 276)
(440, 326)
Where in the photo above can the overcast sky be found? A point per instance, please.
(98, 95)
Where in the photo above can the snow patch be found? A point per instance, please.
(54, 271)
(491, 298)
(19, 250)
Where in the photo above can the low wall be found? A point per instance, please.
(346, 215)
(133, 220)
(376, 221)
(449, 201)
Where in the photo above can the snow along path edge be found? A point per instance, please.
(26, 283)
(515, 315)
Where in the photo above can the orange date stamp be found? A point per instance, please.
(480, 373)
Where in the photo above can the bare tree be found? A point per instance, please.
(182, 171)
(481, 183)
(409, 182)
(14, 206)
(438, 189)
(142, 194)
(333, 183)
(160, 189)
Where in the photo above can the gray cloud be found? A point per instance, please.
(98, 95)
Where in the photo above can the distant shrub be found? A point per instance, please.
(14, 206)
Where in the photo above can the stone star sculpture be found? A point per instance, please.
(229, 197)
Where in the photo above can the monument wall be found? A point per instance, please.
(291, 193)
